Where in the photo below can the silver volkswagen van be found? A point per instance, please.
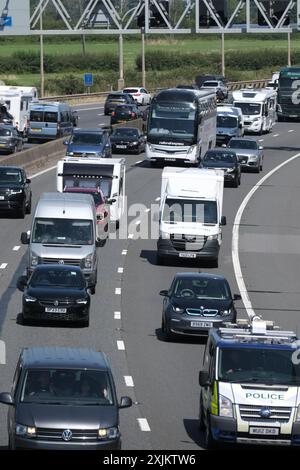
(64, 231)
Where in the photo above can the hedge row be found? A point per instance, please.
(241, 60)
(29, 62)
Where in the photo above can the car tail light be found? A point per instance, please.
(113, 113)
(133, 115)
(137, 94)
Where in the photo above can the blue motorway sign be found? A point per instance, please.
(88, 79)
(6, 21)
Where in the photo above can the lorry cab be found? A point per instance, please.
(230, 123)
(258, 107)
(250, 384)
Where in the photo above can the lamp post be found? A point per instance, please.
(42, 75)
(121, 64)
(143, 59)
(223, 54)
(289, 49)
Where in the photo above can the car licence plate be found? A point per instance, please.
(187, 255)
(55, 310)
(170, 159)
(264, 431)
(121, 146)
(201, 324)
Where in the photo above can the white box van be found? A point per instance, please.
(190, 214)
(64, 231)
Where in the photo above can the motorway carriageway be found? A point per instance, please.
(162, 378)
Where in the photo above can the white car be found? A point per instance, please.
(216, 85)
(140, 95)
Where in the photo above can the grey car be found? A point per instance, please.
(63, 398)
(10, 139)
(250, 154)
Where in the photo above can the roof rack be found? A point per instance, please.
(256, 329)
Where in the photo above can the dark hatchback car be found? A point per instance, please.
(128, 139)
(115, 99)
(63, 398)
(55, 292)
(89, 143)
(195, 303)
(15, 191)
(225, 160)
(124, 113)
(10, 139)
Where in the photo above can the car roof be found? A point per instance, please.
(199, 276)
(220, 150)
(80, 130)
(64, 357)
(119, 93)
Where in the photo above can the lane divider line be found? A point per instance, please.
(157, 199)
(291, 130)
(16, 248)
(275, 135)
(128, 381)
(118, 290)
(261, 140)
(124, 252)
(121, 345)
(143, 423)
(117, 315)
(120, 270)
(235, 238)
(3, 265)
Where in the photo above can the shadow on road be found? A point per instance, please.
(150, 256)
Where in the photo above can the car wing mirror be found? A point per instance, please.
(6, 398)
(25, 237)
(164, 293)
(22, 283)
(125, 402)
(237, 297)
(204, 378)
(223, 220)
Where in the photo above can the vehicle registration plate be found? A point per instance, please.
(187, 255)
(201, 324)
(170, 159)
(264, 431)
(121, 146)
(1, 198)
(55, 310)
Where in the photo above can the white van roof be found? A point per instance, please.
(65, 206)
(252, 94)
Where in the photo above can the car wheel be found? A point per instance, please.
(261, 165)
(165, 330)
(214, 263)
(257, 169)
(236, 182)
(239, 179)
(11, 445)
(201, 417)
(209, 442)
(28, 207)
(15, 149)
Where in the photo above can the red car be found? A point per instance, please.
(102, 209)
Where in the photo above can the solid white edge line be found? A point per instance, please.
(143, 423)
(121, 345)
(235, 238)
(117, 315)
(128, 381)
(3, 265)
(140, 161)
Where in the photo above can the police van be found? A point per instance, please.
(250, 385)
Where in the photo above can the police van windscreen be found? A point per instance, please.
(249, 108)
(43, 116)
(226, 121)
(262, 366)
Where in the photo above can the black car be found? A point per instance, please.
(63, 398)
(128, 139)
(89, 143)
(225, 160)
(195, 303)
(55, 292)
(115, 99)
(10, 139)
(124, 113)
(15, 191)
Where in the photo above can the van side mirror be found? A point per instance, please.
(125, 402)
(164, 293)
(6, 398)
(25, 237)
(28, 180)
(237, 297)
(223, 220)
(22, 283)
(204, 378)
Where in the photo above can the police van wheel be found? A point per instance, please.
(210, 443)
(201, 417)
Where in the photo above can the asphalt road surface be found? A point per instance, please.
(162, 378)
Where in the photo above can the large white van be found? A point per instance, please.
(64, 231)
(17, 100)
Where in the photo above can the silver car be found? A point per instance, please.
(249, 152)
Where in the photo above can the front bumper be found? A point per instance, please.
(210, 250)
(182, 326)
(13, 202)
(73, 313)
(21, 443)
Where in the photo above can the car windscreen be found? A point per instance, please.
(190, 288)
(66, 278)
(116, 98)
(219, 157)
(86, 139)
(227, 121)
(10, 176)
(262, 366)
(288, 82)
(63, 231)
(242, 144)
(252, 109)
(5, 132)
(189, 210)
(67, 387)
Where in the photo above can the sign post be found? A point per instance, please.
(88, 81)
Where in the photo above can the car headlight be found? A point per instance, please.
(178, 309)
(28, 298)
(253, 157)
(69, 154)
(213, 237)
(225, 407)
(150, 147)
(25, 431)
(134, 143)
(82, 301)
(230, 170)
(88, 261)
(108, 433)
(34, 259)
(226, 312)
(15, 191)
(192, 148)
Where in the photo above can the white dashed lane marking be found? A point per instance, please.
(117, 315)
(121, 345)
(3, 265)
(124, 252)
(16, 248)
(120, 270)
(275, 135)
(143, 423)
(128, 380)
(291, 130)
(118, 290)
